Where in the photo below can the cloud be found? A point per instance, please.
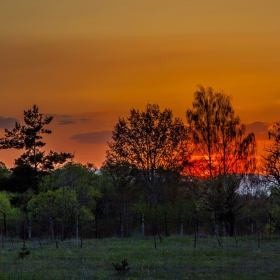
(101, 137)
(62, 122)
(260, 129)
(84, 120)
(67, 119)
(7, 122)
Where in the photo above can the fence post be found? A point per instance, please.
(24, 235)
(195, 232)
(181, 226)
(121, 224)
(77, 228)
(252, 226)
(96, 234)
(142, 225)
(224, 230)
(165, 221)
(29, 226)
(270, 225)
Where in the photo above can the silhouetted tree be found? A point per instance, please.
(154, 144)
(121, 175)
(29, 137)
(222, 153)
(218, 136)
(271, 159)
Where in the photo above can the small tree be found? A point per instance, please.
(120, 174)
(221, 197)
(29, 137)
(80, 179)
(12, 217)
(74, 176)
(49, 207)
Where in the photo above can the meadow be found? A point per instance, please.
(173, 258)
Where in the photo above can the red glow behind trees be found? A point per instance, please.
(222, 153)
(218, 136)
(271, 161)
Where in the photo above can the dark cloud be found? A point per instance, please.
(84, 120)
(68, 119)
(101, 137)
(62, 122)
(7, 122)
(260, 129)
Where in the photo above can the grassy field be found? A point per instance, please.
(174, 258)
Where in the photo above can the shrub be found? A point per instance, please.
(121, 268)
(24, 252)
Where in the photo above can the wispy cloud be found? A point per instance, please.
(68, 119)
(101, 137)
(84, 120)
(62, 122)
(7, 122)
(260, 129)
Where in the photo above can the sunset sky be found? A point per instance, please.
(89, 62)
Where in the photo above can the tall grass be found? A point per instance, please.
(174, 258)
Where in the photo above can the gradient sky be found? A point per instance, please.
(89, 62)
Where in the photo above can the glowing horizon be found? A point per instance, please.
(89, 62)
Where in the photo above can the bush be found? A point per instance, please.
(121, 268)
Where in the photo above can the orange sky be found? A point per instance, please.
(88, 62)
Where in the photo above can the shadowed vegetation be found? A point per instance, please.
(174, 258)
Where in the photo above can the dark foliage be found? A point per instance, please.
(121, 268)
(33, 163)
(24, 252)
(153, 145)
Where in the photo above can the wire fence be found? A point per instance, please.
(137, 224)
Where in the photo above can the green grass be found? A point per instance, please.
(174, 258)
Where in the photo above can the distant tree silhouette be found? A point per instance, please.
(218, 136)
(271, 159)
(29, 137)
(154, 144)
(222, 154)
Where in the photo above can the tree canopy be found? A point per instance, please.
(218, 137)
(29, 137)
(152, 142)
(157, 170)
(271, 159)
(33, 161)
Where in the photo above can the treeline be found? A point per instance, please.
(161, 176)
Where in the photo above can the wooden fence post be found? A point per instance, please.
(121, 224)
(181, 226)
(142, 225)
(165, 221)
(96, 233)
